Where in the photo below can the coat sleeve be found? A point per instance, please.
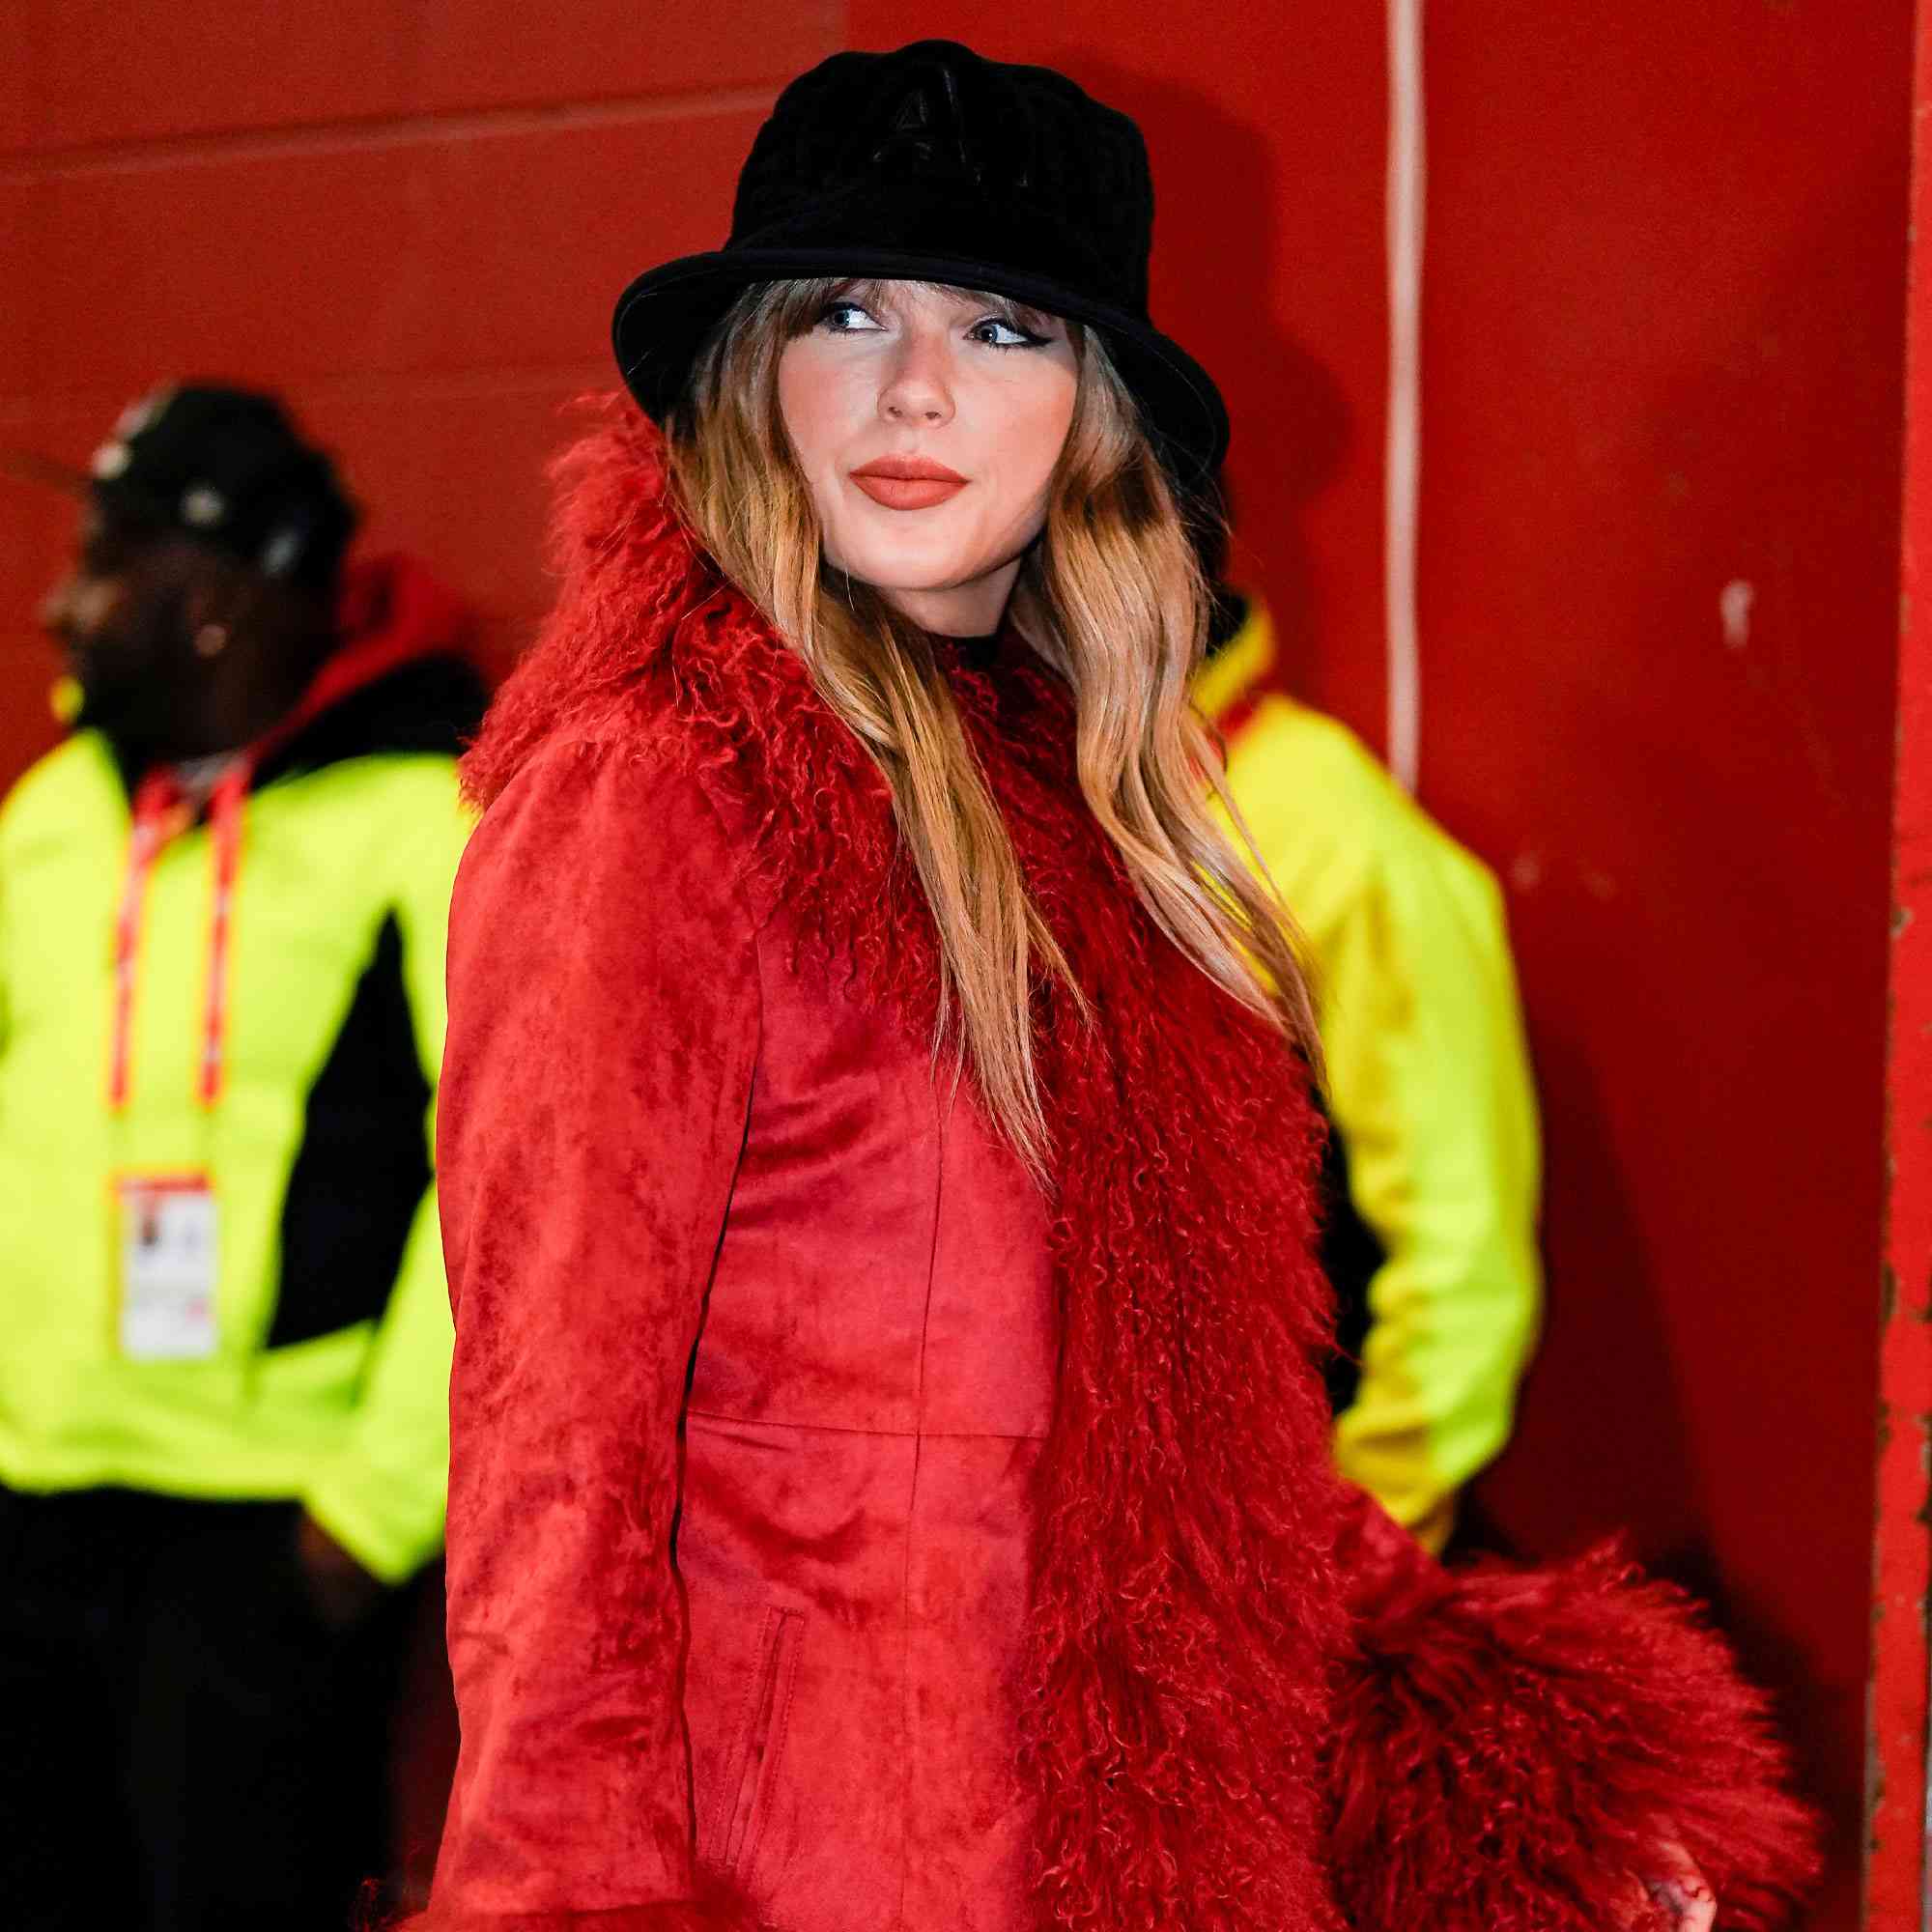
(1510, 1746)
(604, 1027)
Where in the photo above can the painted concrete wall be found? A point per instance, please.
(1662, 445)
(1896, 1875)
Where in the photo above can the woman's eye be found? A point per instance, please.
(998, 333)
(845, 319)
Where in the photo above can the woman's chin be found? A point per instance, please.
(915, 575)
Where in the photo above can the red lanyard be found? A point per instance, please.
(162, 811)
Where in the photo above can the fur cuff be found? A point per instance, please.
(1510, 1746)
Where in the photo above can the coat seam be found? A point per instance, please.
(912, 1515)
(883, 1434)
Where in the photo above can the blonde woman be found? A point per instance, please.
(890, 1483)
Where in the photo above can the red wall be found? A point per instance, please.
(1661, 355)
(1896, 1869)
(411, 219)
(1664, 357)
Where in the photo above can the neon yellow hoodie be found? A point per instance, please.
(1429, 1083)
(324, 1375)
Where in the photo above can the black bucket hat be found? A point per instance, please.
(932, 164)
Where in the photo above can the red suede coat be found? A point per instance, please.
(846, 1535)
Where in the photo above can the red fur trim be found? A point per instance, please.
(1179, 1591)
(1510, 1746)
(1183, 1700)
(628, 575)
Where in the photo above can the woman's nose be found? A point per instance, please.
(918, 393)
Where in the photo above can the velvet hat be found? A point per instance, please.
(932, 164)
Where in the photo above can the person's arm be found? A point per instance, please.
(1555, 1747)
(604, 1027)
(1429, 1086)
(379, 1500)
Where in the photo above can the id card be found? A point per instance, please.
(169, 1255)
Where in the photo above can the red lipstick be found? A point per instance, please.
(908, 482)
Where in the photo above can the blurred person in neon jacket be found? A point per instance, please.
(1434, 1167)
(224, 1332)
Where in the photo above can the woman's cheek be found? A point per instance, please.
(813, 396)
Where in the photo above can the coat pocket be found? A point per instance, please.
(751, 1773)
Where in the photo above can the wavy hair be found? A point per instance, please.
(1112, 597)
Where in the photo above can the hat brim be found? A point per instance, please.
(664, 319)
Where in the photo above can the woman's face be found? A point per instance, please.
(927, 422)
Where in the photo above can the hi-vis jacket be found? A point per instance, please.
(1429, 1085)
(277, 1043)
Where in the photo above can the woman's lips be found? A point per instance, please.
(908, 483)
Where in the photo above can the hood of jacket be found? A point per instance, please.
(400, 679)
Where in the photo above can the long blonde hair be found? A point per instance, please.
(1112, 597)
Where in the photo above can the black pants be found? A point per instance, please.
(184, 1747)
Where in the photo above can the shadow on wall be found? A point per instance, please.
(1293, 427)
(1735, 982)
(1599, 1365)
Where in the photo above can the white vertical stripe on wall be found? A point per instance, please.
(1407, 194)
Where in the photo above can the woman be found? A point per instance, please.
(891, 1483)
